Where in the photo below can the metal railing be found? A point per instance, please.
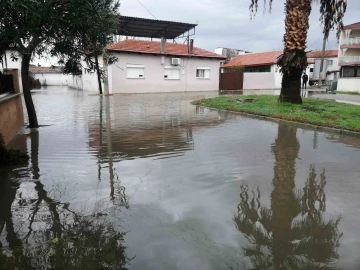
(350, 41)
(349, 59)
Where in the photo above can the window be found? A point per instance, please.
(172, 73)
(348, 72)
(311, 69)
(203, 73)
(135, 71)
(330, 62)
(258, 69)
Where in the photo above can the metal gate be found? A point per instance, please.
(231, 79)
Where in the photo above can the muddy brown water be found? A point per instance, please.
(153, 182)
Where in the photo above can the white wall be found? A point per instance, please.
(90, 80)
(13, 65)
(59, 79)
(51, 78)
(263, 80)
(75, 81)
(349, 84)
(154, 80)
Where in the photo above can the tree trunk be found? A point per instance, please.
(291, 87)
(293, 61)
(284, 206)
(98, 73)
(25, 65)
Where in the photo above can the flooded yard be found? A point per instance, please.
(153, 182)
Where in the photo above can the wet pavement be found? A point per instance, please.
(351, 99)
(153, 182)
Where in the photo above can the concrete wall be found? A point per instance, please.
(154, 80)
(13, 65)
(11, 111)
(90, 80)
(349, 85)
(59, 79)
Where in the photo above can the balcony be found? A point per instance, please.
(349, 60)
(350, 43)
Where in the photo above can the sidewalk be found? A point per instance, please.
(349, 99)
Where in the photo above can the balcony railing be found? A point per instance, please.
(350, 41)
(349, 60)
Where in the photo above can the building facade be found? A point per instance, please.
(153, 67)
(349, 59)
(261, 72)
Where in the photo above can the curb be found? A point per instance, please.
(299, 124)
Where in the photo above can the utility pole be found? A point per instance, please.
(322, 61)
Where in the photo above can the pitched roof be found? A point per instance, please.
(328, 53)
(269, 58)
(52, 69)
(352, 26)
(254, 59)
(153, 47)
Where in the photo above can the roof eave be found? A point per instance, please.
(167, 54)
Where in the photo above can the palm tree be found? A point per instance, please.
(293, 60)
(292, 234)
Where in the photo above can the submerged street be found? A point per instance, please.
(150, 181)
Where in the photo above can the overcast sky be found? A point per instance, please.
(226, 23)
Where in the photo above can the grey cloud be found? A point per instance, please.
(226, 23)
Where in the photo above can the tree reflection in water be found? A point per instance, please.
(55, 236)
(293, 233)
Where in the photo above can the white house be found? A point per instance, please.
(261, 71)
(349, 58)
(330, 67)
(151, 66)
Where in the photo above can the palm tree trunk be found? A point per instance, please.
(283, 202)
(25, 65)
(293, 61)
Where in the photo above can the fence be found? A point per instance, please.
(231, 79)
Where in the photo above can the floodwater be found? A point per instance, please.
(153, 182)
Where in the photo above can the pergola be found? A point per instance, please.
(148, 28)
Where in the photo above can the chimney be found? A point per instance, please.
(191, 46)
(162, 45)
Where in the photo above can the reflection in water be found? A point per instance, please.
(292, 234)
(39, 232)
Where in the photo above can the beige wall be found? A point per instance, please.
(11, 111)
(351, 52)
(154, 80)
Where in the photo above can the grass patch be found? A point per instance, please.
(11, 157)
(328, 113)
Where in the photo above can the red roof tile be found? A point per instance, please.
(254, 59)
(328, 53)
(269, 58)
(352, 26)
(52, 69)
(153, 47)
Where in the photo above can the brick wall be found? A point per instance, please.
(11, 111)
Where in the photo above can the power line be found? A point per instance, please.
(147, 9)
